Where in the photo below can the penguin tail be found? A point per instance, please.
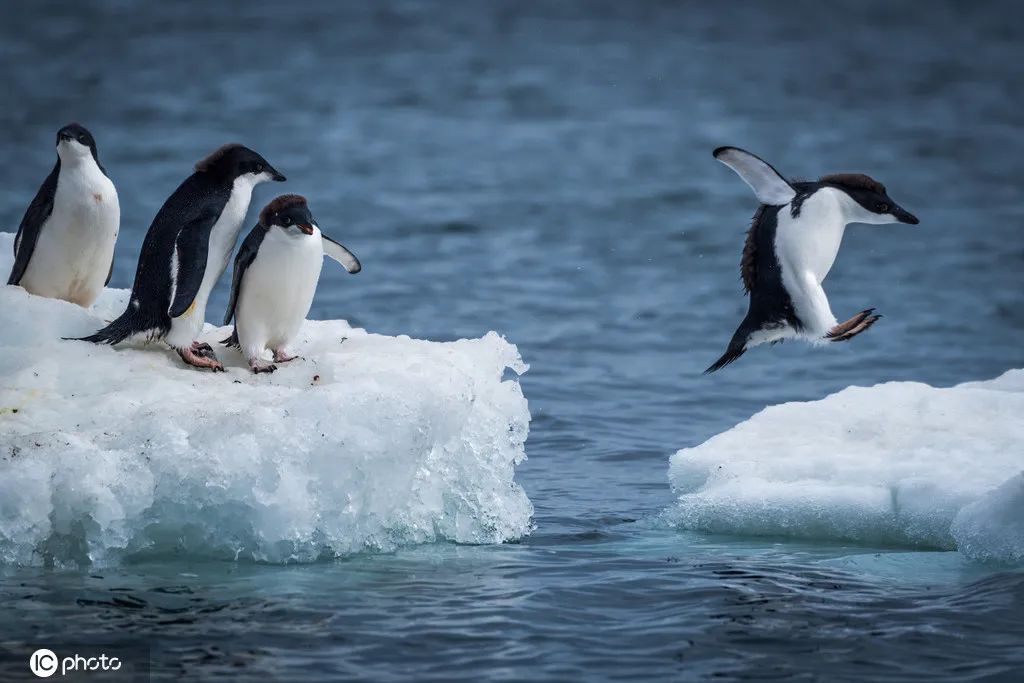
(731, 354)
(232, 341)
(130, 323)
(737, 347)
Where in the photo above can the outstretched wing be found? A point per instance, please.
(243, 259)
(32, 224)
(190, 250)
(340, 254)
(768, 184)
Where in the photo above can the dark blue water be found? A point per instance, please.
(544, 170)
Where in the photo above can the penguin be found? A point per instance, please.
(790, 247)
(186, 251)
(64, 248)
(274, 279)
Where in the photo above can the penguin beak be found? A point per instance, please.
(275, 175)
(306, 228)
(904, 216)
(63, 136)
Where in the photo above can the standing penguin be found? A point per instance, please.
(792, 245)
(65, 243)
(185, 252)
(275, 277)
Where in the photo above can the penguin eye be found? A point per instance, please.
(286, 221)
(883, 208)
(259, 168)
(81, 138)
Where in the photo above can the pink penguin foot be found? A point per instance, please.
(281, 356)
(201, 358)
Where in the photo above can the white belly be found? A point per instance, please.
(277, 291)
(806, 247)
(810, 242)
(75, 247)
(186, 328)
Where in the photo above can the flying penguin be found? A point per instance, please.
(276, 272)
(64, 248)
(792, 244)
(185, 252)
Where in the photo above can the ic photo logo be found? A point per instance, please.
(44, 663)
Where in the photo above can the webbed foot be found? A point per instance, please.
(200, 358)
(852, 327)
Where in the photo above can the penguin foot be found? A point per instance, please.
(201, 359)
(281, 356)
(259, 365)
(852, 327)
(203, 350)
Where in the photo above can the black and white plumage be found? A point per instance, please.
(64, 248)
(790, 248)
(186, 251)
(275, 277)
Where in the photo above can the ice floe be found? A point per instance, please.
(901, 463)
(368, 443)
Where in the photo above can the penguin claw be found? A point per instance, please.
(257, 368)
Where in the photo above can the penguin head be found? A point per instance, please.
(870, 201)
(289, 213)
(233, 161)
(74, 142)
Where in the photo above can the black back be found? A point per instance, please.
(31, 225)
(199, 199)
(770, 305)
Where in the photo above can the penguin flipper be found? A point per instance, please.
(768, 184)
(32, 224)
(342, 255)
(243, 259)
(191, 248)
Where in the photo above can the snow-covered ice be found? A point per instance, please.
(373, 443)
(901, 463)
